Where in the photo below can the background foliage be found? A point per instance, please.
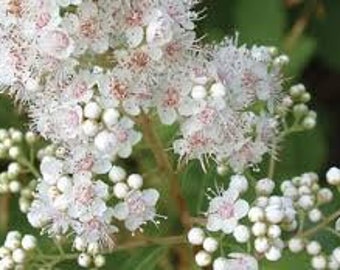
(308, 31)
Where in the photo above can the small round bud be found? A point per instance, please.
(305, 97)
(196, 236)
(84, 260)
(14, 186)
(79, 244)
(241, 234)
(273, 254)
(13, 235)
(256, 214)
(259, 228)
(281, 60)
(135, 181)
(295, 245)
(210, 244)
(261, 244)
(4, 252)
(198, 92)
(333, 176)
(218, 90)
(117, 174)
(306, 202)
(13, 169)
(93, 248)
(14, 152)
(120, 190)
(315, 215)
(274, 231)
(99, 261)
(220, 264)
(17, 136)
(239, 183)
(110, 117)
(203, 258)
(92, 110)
(105, 141)
(319, 262)
(19, 255)
(30, 137)
(274, 215)
(90, 128)
(309, 122)
(265, 186)
(29, 242)
(7, 263)
(297, 90)
(313, 248)
(300, 110)
(336, 254)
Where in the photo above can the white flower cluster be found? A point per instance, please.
(75, 200)
(14, 253)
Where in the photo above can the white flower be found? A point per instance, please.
(225, 210)
(236, 261)
(137, 208)
(51, 169)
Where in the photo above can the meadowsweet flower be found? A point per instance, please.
(225, 210)
(236, 261)
(137, 208)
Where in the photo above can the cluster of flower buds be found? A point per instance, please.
(16, 250)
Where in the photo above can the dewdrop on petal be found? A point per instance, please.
(117, 174)
(210, 244)
(135, 181)
(203, 258)
(196, 236)
(84, 260)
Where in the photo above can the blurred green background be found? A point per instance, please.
(309, 32)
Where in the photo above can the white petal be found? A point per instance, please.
(121, 211)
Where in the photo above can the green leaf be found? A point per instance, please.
(143, 259)
(288, 261)
(260, 21)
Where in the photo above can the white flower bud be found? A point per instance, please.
(14, 186)
(196, 236)
(14, 152)
(306, 202)
(256, 214)
(110, 117)
(332, 264)
(117, 174)
(64, 184)
(92, 110)
(259, 228)
(4, 252)
(265, 186)
(19, 255)
(135, 181)
(29, 242)
(333, 176)
(295, 245)
(313, 248)
(30, 137)
(13, 235)
(239, 183)
(220, 264)
(99, 261)
(319, 262)
(309, 122)
(325, 195)
(281, 60)
(274, 215)
(13, 169)
(297, 90)
(17, 136)
(273, 254)
(203, 258)
(241, 234)
(222, 169)
(7, 263)
(218, 90)
(274, 231)
(105, 141)
(120, 190)
(93, 248)
(315, 215)
(336, 255)
(79, 244)
(261, 244)
(84, 260)
(198, 92)
(210, 244)
(262, 201)
(90, 128)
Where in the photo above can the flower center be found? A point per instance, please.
(226, 210)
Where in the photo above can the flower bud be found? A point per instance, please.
(196, 236)
(203, 258)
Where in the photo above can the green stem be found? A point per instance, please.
(24, 162)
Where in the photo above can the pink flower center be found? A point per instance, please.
(86, 163)
(136, 205)
(134, 18)
(207, 116)
(171, 98)
(42, 20)
(118, 89)
(226, 210)
(73, 118)
(249, 80)
(80, 89)
(88, 28)
(84, 194)
(139, 60)
(14, 7)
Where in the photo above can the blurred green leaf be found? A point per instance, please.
(261, 21)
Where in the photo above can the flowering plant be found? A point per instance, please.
(106, 84)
